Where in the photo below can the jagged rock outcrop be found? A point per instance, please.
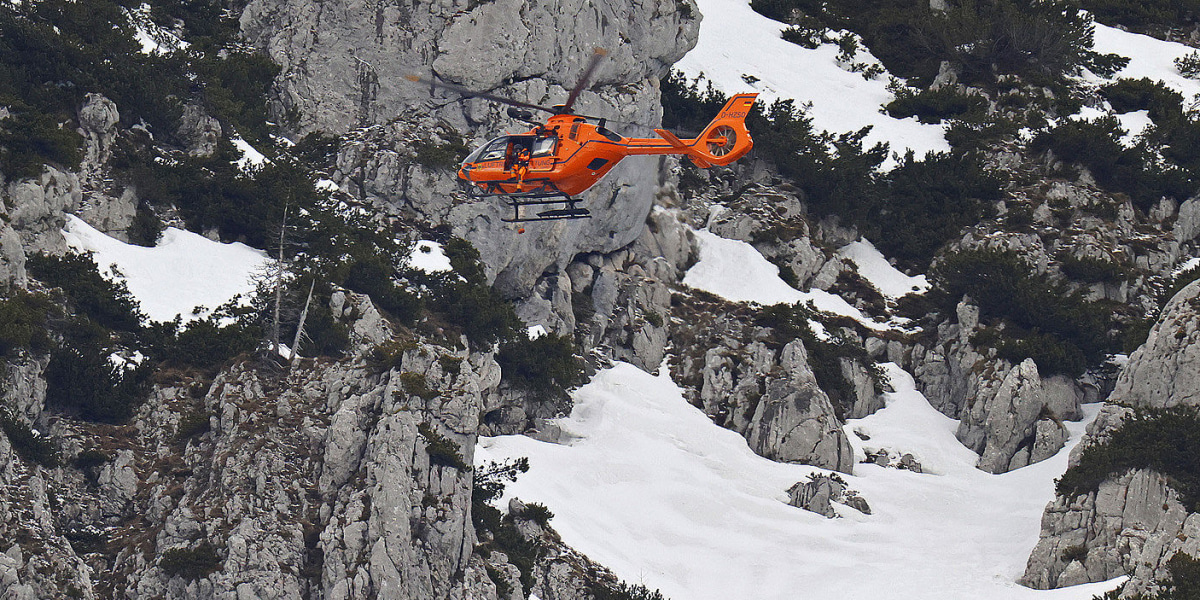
(35, 209)
(1009, 414)
(36, 561)
(344, 62)
(1165, 371)
(746, 381)
(1132, 525)
(22, 388)
(342, 479)
(105, 205)
(1015, 426)
(1135, 522)
(820, 492)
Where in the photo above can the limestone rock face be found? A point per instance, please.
(1005, 430)
(344, 62)
(794, 420)
(1009, 414)
(35, 207)
(24, 389)
(1165, 371)
(321, 481)
(98, 119)
(767, 393)
(12, 258)
(343, 69)
(1132, 525)
(1135, 522)
(36, 561)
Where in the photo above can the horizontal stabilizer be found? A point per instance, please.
(670, 137)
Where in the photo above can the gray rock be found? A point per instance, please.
(24, 389)
(1187, 223)
(118, 483)
(820, 492)
(1134, 523)
(12, 259)
(794, 420)
(1165, 371)
(199, 130)
(37, 208)
(98, 118)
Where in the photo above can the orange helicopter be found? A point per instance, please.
(563, 157)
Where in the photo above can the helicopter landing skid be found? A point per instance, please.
(569, 210)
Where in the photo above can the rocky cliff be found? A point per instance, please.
(1136, 521)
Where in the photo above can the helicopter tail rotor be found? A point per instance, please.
(726, 138)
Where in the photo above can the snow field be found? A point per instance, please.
(873, 267)
(1148, 57)
(183, 271)
(735, 270)
(648, 486)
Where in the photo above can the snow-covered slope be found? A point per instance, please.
(875, 268)
(736, 41)
(735, 270)
(651, 488)
(184, 271)
(1148, 57)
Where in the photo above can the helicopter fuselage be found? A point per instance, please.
(567, 155)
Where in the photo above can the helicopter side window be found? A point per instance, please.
(544, 146)
(494, 150)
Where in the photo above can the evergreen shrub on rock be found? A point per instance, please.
(1163, 440)
(1040, 318)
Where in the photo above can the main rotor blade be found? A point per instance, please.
(597, 56)
(469, 93)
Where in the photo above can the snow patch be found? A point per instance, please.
(185, 270)
(535, 332)
(649, 487)
(250, 156)
(327, 185)
(1188, 265)
(889, 280)
(1135, 124)
(1148, 57)
(735, 270)
(429, 257)
(153, 39)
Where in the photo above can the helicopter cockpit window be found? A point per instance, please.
(494, 150)
(544, 146)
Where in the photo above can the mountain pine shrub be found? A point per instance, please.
(934, 106)
(191, 563)
(29, 446)
(23, 319)
(442, 450)
(1164, 440)
(496, 530)
(1128, 95)
(547, 366)
(1031, 315)
(106, 302)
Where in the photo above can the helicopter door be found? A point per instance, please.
(543, 154)
(518, 153)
